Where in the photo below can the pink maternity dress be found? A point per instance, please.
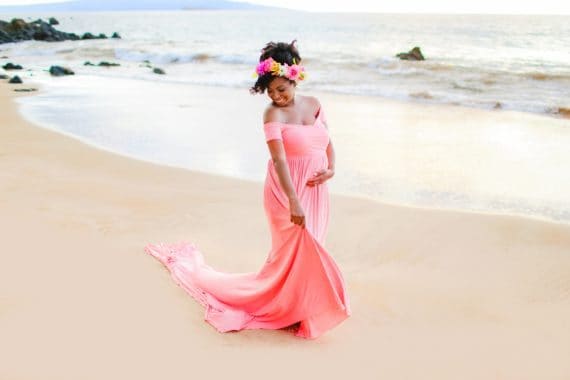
(299, 281)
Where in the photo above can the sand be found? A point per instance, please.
(436, 294)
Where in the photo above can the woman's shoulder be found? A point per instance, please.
(312, 100)
(271, 113)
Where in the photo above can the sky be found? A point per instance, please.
(402, 6)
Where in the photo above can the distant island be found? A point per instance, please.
(128, 5)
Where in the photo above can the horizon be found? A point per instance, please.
(482, 7)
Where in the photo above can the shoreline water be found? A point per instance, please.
(511, 62)
(411, 142)
(75, 220)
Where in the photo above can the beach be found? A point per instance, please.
(436, 294)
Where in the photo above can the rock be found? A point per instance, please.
(102, 64)
(15, 79)
(19, 30)
(18, 24)
(11, 66)
(108, 64)
(58, 71)
(157, 70)
(413, 55)
(25, 89)
(116, 35)
(4, 76)
(87, 36)
(497, 105)
(102, 36)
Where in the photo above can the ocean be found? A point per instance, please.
(519, 63)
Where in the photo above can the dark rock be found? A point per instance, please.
(497, 105)
(102, 64)
(11, 66)
(25, 89)
(18, 24)
(157, 70)
(58, 71)
(5, 37)
(4, 76)
(53, 21)
(18, 30)
(102, 36)
(108, 64)
(87, 36)
(116, 35)
(413, 55)
(15, 79)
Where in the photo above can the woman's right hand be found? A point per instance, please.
(297, 214)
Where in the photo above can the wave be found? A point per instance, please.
(141, 55)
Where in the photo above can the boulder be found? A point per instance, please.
(15, 79)
(58, 71)
(413, 55)
(11, 66)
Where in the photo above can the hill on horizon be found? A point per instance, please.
(126, 5)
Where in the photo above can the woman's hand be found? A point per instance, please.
(297, 214)
(320, 177)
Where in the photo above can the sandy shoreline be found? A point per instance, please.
(435, 294)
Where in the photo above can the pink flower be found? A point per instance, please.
(294, 72)
(264, 66)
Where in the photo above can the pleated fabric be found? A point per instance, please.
(299, 281)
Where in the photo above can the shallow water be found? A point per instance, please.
(430, 156)
(517, 62)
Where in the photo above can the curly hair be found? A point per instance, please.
(281, 52)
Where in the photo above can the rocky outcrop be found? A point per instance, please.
(18, 30)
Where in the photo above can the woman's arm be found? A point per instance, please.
(279, 162)
(325, 174)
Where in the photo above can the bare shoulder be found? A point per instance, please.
(271, 113)
(312, 103)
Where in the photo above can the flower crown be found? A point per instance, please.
(293, 72)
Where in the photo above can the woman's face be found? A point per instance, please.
(281, 91)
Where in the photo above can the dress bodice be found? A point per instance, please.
(300, 139)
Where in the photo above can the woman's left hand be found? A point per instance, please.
(320, 177)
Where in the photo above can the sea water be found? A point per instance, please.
(516, 63)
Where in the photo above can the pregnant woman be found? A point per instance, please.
(299, 287)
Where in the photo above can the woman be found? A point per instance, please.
(300, 286)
